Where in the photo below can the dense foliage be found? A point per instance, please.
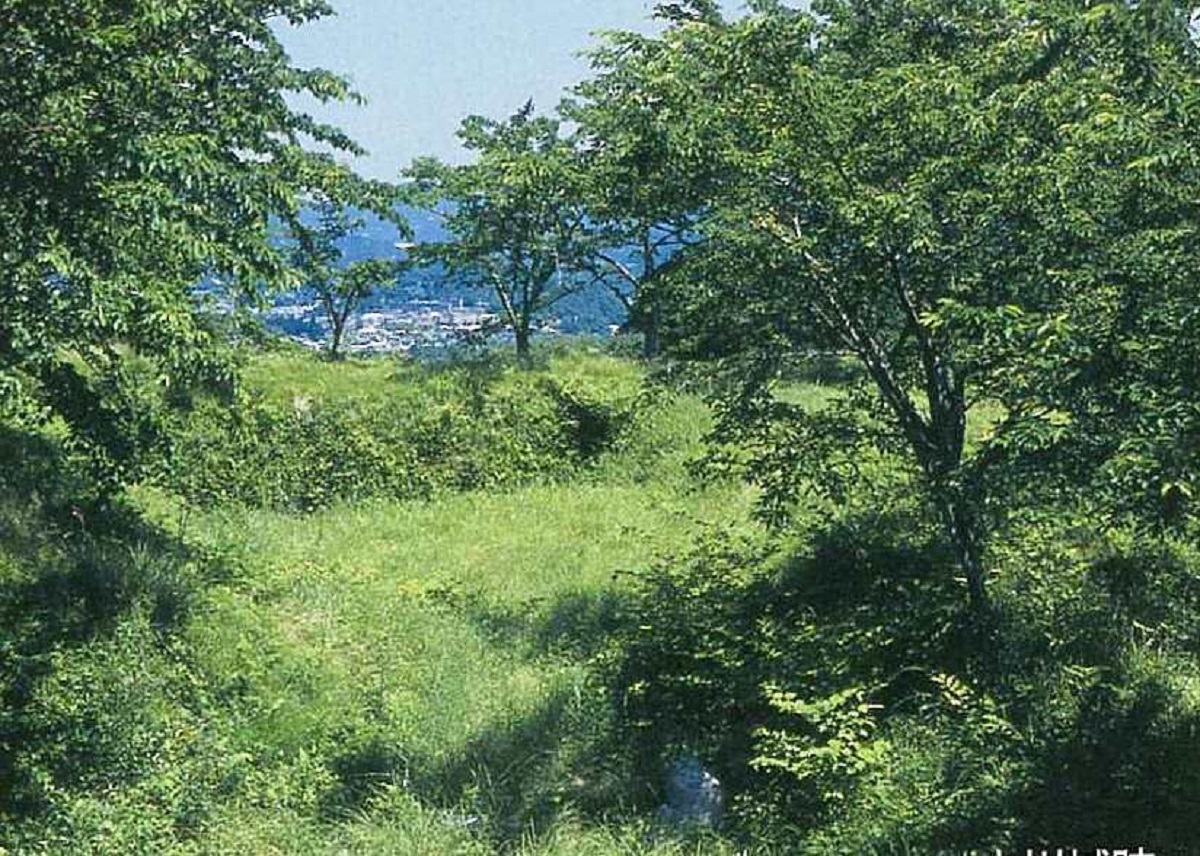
(930, 263)
(145, 146)
(981, 203)
(421, 432)
(830, 680)
(200, 676)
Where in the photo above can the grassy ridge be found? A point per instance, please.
(306, 434)
(504, 668)
(389, 677)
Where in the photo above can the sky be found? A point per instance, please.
(424, 65)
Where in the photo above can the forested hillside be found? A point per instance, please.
(874, 531)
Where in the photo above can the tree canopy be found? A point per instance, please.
(514, 216)
(319, 259)
(144, 147)
(643, 199)
(980, 202)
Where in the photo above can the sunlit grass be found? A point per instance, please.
(423, 677)
(398, 676)
(283, 376)
(417, 627)
(432, 656)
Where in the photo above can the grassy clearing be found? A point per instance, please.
(537, 542)
(436, 653)
(385, 677)
(284, 376)
(388, 676)
(503, 670)
(430, 659)
(439, 647)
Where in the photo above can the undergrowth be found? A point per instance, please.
(182, 673)
(280, 646)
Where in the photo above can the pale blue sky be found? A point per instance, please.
(426, 64)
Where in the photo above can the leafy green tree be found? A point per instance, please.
(340, 287)
(981, 202)
(143, 147)
(514, 216)
(643, 195)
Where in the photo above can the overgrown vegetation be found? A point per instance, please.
(836, 684)
(417, 431)
(897, 537)
(213, 676)
(509, 666)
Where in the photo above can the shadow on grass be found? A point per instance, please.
(575, 626)
(565, 758)
(1125, 774)
(76, 568)
(867, 602)
(569, 756)
(1122, 766)
(678, 664)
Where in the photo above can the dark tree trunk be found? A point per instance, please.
(524, 336)
(962, 529)
(338, 316)
(938, 441)
(651, 324)
(935, 434)
(335, 340)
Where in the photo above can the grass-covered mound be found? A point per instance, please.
(229, 673)
(305, 433)
(275, 645)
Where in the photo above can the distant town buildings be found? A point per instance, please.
(398, 328)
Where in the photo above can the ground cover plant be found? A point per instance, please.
(896, 535)
(391, 428)
(509, 668)
(393, 675)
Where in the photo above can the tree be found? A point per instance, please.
(981, 202)
(514, 216)
(144, 147)
(643, 196)
(340, 287)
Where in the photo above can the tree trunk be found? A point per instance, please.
(651, 322)
(938, 441)
(337, 327)
(522, 332)
(963, 532)
(335, 340)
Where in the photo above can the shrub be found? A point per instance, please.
(837, 687)
(777, 660)
(457, 427)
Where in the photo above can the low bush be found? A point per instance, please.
(838, 686)
(108, 740)
(762, 659)
(458, 427)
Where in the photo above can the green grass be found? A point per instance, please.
(398, 676)
(505, 669)
(389, 677)
(439, 676)
(284, 376)
(386, 677)
(441, 645)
